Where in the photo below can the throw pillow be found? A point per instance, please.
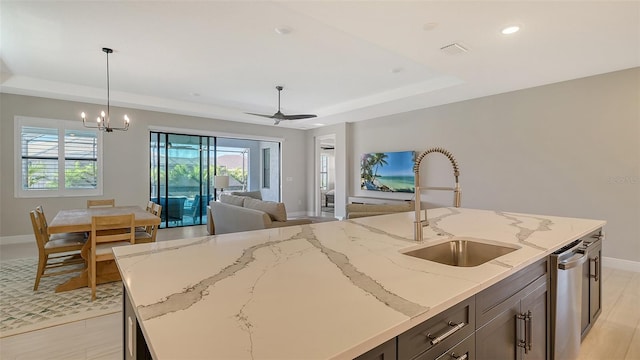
(232, 199)
(276, 210)
(252, 194)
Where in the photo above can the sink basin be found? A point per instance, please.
(461, 252)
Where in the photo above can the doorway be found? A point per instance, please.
(325, 175)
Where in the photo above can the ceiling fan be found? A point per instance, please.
(279, 116)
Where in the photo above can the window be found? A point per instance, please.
(324, 171)
(56, 158)
(183, 166)
(266, 168)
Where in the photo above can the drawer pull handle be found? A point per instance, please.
(528, 331)
(596, 262)
(464, 356)
(454, 327)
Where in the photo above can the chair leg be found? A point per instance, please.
(92, 278)
(42, 262)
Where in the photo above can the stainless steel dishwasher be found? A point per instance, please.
(565, 266)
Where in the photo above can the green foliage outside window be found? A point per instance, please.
(80, 176)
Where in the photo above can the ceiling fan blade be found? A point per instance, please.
(262, 115)
(299, 117)
(279, 116)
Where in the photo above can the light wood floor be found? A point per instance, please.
(615, 336)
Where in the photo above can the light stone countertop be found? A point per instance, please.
(322, 291)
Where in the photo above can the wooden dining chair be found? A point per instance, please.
(148, 233)
(101, 203)
(56, 251)
(107, 232)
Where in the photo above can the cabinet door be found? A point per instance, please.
(536, 328)
(497, 339)
(591, 287)
(595, 283)
(585, 316)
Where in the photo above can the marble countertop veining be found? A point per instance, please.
(322, 291)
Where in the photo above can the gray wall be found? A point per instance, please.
(568, 149)
(126, 156)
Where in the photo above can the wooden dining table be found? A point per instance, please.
(79, 220)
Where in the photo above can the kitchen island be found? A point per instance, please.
(322, 291)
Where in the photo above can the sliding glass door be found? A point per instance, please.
(182, 169)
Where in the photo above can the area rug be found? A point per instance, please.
(23, 310)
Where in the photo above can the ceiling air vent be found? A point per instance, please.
(454, 49)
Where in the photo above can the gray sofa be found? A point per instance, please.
(240, 213)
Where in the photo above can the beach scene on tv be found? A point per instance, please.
(388, 171)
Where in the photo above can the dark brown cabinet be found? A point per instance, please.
(386, 351)
(135, 346)
(591, 282)
(465, 350)
(435, 336)
(513, 317)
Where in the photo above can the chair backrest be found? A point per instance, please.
(112, 228)
(175, 208)
(150, 206)
(101, 203)
(43, 218)
(156, 210)
(39, 230)
(196, 206)
(152, 230)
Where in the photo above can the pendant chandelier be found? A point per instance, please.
(103, 121)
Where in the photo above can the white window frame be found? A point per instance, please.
(61, 126)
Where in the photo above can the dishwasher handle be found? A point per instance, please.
(573, 263)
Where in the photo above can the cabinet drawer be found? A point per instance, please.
(439, 333)
(491, 301)
(466, 347)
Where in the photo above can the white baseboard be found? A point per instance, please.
(621, 264)
(17, 239)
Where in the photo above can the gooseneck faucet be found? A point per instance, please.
(418, 224)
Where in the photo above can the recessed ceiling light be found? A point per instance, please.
(510, 30)
(283, 30)
(396, 70)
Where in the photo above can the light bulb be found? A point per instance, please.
(98, 120)
(83, 115)
(102, 114)
(126, 118)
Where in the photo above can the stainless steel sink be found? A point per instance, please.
(461, 252)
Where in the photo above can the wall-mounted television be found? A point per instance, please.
(388, 171)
